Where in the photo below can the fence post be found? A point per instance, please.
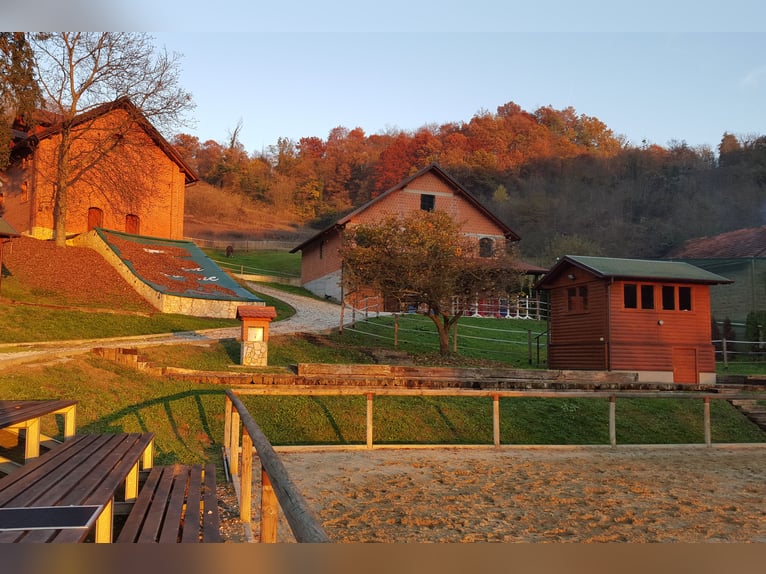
(529, 345)
(613, 420)
(246, 479)
(227, 425)
(269, 510)
(234, 443)
(369, 419)
(708, 439)
(724, 351)
(496, 419)
(454, 339)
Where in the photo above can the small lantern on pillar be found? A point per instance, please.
(255, 333)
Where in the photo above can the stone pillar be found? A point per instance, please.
(255, 334)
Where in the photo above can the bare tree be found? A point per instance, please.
(81, 72)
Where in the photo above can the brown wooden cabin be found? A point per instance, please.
(650, 317)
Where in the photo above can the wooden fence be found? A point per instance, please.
(277, 490)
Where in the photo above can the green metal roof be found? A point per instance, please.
(6, 230)
(645, 269)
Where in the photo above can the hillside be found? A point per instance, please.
(223, 214)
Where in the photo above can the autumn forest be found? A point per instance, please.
(561, 180)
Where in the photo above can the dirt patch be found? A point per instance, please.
(631, 494)
(72, 276)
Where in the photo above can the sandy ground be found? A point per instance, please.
(627, 494)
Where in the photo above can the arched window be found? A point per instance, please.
(132, 224)
(95, 218)
(486, 247)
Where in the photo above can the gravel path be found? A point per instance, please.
(311, 315)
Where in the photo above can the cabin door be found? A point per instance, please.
(685, 366)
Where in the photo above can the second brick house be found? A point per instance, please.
(429, 189)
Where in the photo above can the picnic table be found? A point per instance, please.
(85, 475)
(26, 415)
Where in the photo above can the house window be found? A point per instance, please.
(577, 299)
(24, 191)
(486, 247)
(427, 201)
(321, 250)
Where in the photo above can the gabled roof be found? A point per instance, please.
(256, 312)
(53, 126)
(739, 243)
(638, 269)
(6, 230)
(439, 172)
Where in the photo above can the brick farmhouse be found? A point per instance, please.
(137, 185)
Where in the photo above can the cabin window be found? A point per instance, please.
(427, 201)
(668, 297)
(647, 296)
(630, 296)
(486, 247)
(577, 299)
(671, 303)
(685, 298)
(634, 294)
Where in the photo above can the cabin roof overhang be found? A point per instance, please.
(633, 270)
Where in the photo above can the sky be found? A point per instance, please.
(658, 73)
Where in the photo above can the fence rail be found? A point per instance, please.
(727, 349)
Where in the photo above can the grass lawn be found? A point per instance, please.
(188, 418)
(280, 263)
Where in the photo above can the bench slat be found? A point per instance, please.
(156, 510)
(193, 506)
(176, 504)
(210, 519)
(135, 519)
(174, 514)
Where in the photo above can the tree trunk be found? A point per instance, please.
(443, 329)
(60, 190)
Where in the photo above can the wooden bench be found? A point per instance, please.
(87, 470)
(175, 504)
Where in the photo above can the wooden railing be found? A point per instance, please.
(305, 526)
(277, 490)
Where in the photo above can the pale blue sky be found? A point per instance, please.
(655, 70)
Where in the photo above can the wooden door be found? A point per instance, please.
(685, 368)
(132, 224)
(95, 218)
